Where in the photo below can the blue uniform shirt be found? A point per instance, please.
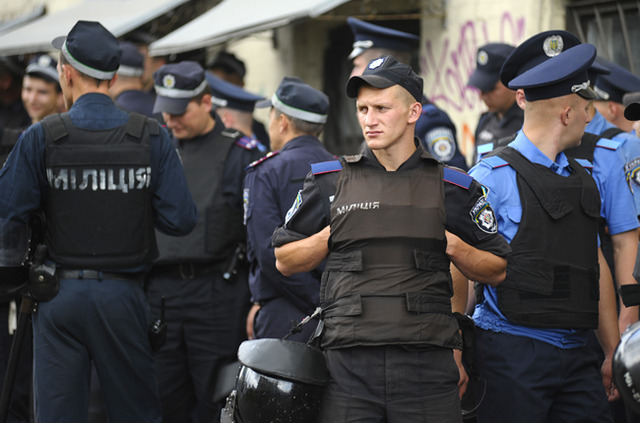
(630, 146)
(23, 181)
(500, 178)
(270, 186)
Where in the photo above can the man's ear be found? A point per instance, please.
(414, 112)
(283, 123)
(566, 115)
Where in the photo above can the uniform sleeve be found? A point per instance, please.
(471, 217)
(309, 212)
(175, 212)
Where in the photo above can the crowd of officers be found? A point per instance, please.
(165, 200)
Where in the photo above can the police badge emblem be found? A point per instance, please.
(553, 45)
(484, 217)
(169, 81)
(483, 58)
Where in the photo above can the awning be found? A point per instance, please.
(238, 18)
(118, 16)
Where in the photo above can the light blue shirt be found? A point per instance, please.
(504, 197)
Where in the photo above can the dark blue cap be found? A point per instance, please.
(229, 63)
(176, 84)
(226, 94)
(44, 67)
(385, 72)
(132, 61)
(91, 49)
(631, 102)
(367, 35)
(619, 81)
(299, 100)
(489, 61)
(563, 74)
(534, 51)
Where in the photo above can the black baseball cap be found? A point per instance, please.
(385, 72)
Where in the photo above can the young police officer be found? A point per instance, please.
(104, 179)
(388, 328)
(533, 327)
(297, 117)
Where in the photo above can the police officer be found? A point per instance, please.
(297, 117)
(388, 329)
(504, 116)
(235, 107)
(533, 327)
(200, 278)
(12, 112)
(435, 129)
(104, 179)
(127, 91)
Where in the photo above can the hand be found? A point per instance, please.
(607, 380)
(250, 319)
(464, 378)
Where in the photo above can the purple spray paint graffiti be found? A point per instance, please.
(448, 70)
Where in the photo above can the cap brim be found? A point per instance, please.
(58, 41)
(483, 81)
(263, 104)
(632, 111)
(173, 106)
(588, 94)
(377, 81)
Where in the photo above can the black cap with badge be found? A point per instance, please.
(561, 75)
(176, 84)
(296, 99)
(44, 67)
(385, 72)
(489, 61)
(91, 49)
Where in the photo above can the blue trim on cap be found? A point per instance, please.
(326, 167)
(608, 144)
(456, 177)
(585, 163)
(495, 162)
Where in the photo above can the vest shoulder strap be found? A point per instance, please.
(55, 126)
(611, 132)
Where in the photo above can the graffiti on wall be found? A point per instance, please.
(447, 66)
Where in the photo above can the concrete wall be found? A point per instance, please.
(450, 42)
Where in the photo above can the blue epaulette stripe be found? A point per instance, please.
(457, 178)
(495, 162)
(585, 163)
(326, 167)
(608, 144)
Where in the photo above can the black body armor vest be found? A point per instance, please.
(99, 205)
(552, 273)
(387, 277)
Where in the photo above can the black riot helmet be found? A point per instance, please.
(279, 381)
(626, 367)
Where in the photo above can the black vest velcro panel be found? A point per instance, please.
(387, 278)
(586, 148)
(99, 203)
(552, 272)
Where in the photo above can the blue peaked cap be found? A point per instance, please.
(367, 35)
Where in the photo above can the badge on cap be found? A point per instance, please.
(169, 81)
(376, 63)
(482, 214)
(44, 61)
(483, 58)
(553, 45)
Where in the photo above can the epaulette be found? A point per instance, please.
(326, 167)
(483, 149)
(608, 144)
(585, 163)
(263, 159)
(247, 143)
(457, 177)
(495, 161)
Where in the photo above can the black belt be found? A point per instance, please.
(99, 275)
(187, 270)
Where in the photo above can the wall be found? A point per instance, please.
(449, 44)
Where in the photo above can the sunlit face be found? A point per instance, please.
(499, 99)
(195, 120)
(383, 115)
(40, 97)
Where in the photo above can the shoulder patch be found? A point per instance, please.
(495, 161)
(294, 207)
(250, 144)
(441, 143)
(262, 159)
(326, 167)
(585, 163)
(457, 177)
(484, 217)
(608, 144)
